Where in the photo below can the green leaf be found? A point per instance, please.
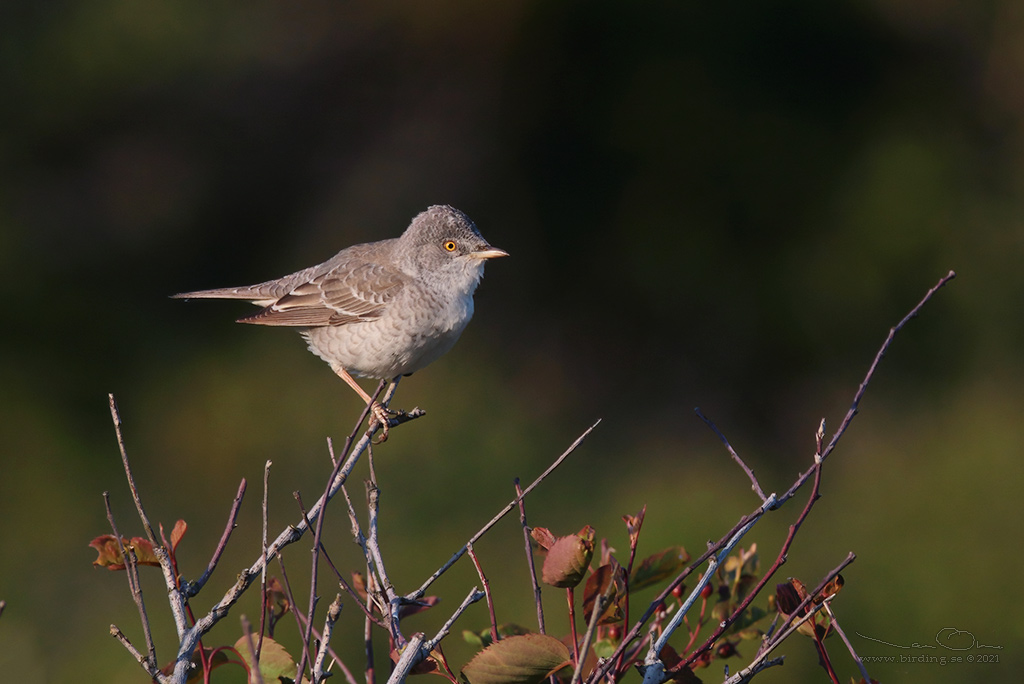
(482, 638)
(275, 662)
(523, 659)
(603, 648)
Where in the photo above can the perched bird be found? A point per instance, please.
(380, 309)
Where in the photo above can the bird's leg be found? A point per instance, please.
(380, 414)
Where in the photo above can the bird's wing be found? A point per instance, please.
(352, 291)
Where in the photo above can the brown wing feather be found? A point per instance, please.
(344, 294)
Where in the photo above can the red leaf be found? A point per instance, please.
(177, 533)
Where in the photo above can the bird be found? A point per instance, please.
(382, 309)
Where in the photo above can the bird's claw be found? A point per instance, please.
(382, 416)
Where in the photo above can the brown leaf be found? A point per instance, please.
(543, 537)
(429, 665)
(608, 579)
(359, 584)
(789, 596)
(525, 659)
(425, 603)
(109, 555)
(830, 589)
(670, 659)
(277, 598)
(633, 525)
(568, 559)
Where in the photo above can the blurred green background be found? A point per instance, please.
(722, 205)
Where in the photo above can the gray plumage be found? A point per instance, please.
(380, 309)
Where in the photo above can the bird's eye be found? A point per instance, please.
(449, 245)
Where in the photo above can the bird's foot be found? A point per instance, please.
(382, 416)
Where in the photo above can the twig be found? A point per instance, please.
(470, 599)
(150, 669)
(529, 557)
(600, 603)
(487, 593)
(290, 535)
(307, 645)
(299, 617)
(134, 585)
(512, 504)
(116, 417)
(854, 407)
(391, 599)
(603, 668)
(371, 670)
(190, 589)
(254, 671)
(360, 539)
(410, 657)
(174, 596)
(263, 546)
(349, 677)
(754, 484)
(789, 626)
(570, 597)
(332, 616)
(779, 560)
(842, 635)
(736, 533)
(373, 543)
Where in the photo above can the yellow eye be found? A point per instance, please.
(449, 246)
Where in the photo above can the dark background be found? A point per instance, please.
(714, 205)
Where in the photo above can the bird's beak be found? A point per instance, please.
(489, 253)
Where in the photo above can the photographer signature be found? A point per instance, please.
(949, 638)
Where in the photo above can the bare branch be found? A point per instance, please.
(854, 407)
(174, 595)
(116, 417)
(512, 504)
(791, 624)
(349, 677)
(151, 669)
(333, 612)
(842, 635)
(410, 657)
(134, 585)
(529, 557)
(487, 593)
(470, 599)
(600, 603)
(754, 484)
(254, 671)
(263, 545)
(190, 589)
